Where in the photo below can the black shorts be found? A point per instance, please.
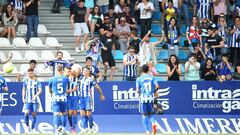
(108, 58)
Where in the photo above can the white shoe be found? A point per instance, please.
(77, 50)
(82, 47)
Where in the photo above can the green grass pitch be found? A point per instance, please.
(126, 134)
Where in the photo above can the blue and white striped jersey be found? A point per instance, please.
(203, 7)
(74, 81)
(31, 87)
(54, 64)
(147, 86)
(234, 37)
(3, 84)
(130, 70)
(59, 85)
(86, 84)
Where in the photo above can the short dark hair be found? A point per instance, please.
(81, 0)
(169, 60)
(134, 32)
(30, 70)
(89, 58)
(225, 55)
(145, 68)
(33, 61)
(59, 52)
(68, 67)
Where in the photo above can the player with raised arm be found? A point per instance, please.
(3, 87)
(146, 86)
(86, 84)
(31, 91)
(58, 88)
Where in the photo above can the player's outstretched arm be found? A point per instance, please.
(100, 92)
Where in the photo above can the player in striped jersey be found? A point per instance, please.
(146, 86)
(73, 100)
(58, 86)
(59, 60)
(86, 84)
(3, 87)
(31, 91)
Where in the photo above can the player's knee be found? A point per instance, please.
(34, 113)
(75, 112)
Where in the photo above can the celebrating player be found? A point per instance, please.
(86, 84)
(3, 87)
(146, 86)
(58, 88)
(32, 88)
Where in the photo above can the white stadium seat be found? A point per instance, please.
(19, 42)
(16, 55)
(36, 42)
(24, 68)
(31, 55)
(4, 42)
(43, 69)
(42, 29)
(2, 55)
(22, 29)
(66, 55)
(52, 42)
(47, 55)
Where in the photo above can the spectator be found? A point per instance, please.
(219, 6)
(130, 19)
(192, 69)
(170, 11)
(236, 74)
(173, 68)
(201, 57)
(193, 34)
(32, 17)
(73, 4)
(123, 32)
(173, 37)
(56, 6)
(130, 65)
(184, 8)
(106, 26)
(204, 27)
(224, 69)
(202, 9)
(152, 70)
(134, 41)
(213, 45)
(93, 69)
(19, 10)
(147, 50)
(146, 10)
(106, 53)
(112, 16)
(120, 7)
(235, 40)
(59, 60)
(103, 5)
(10, 21)
(208, 72)
(95, 20)
(78, 23)
(24, 73)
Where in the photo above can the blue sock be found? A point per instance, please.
(70, 118)
(56, 122)
(83, 122)
(64, 121)
(90, 120)
(27, 120)
(74, 121)
(145, 123)
(34, 122)
(152, 119)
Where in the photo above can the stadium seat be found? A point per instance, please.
(182, 68)
(163, 55)
(156, 29)
(16, 55)
(182, 39)
(42, 29)
(47, 55)
(24, 68)
(4, 42)
(36, 42)
(2, 55)
(19, 42)
(183, 29)
(153, 39)
(156, 15)
(119, 55)
(183, 55)
(43, 69)
(31, 55)
(52, 42)
(22, 29)
(161, 68)
(66, 55)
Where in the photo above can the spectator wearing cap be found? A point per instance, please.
(235, 40)
(224, 69)
(213, 44)
(108, 42)
(79, 25)
(129, 18)
(146, 9)
(193, 34)
(123, 32)
(130, 65)
(106, 26)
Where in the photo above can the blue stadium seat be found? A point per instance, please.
(182, 68)
(183, 28)
(161, 68)
(153, 39)
(163, 55)
(183, 55)
(157, 15)
(182, 39)
(119, 55)
(156, 28)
